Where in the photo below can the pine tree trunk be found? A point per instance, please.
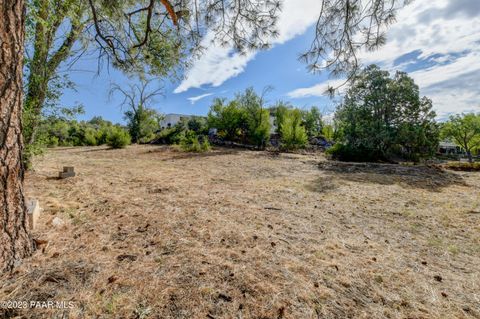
(15, 241)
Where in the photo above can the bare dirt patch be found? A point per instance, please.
(153, 233)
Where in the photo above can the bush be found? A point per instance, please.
(328, 132)
(190, 143)
(344, 152)
(170, 136)
(118, 138)
(293, 134)
(198, 125)
(89, 137)
(243, 119)
(226, 117)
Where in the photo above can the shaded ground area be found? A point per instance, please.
(153, 233)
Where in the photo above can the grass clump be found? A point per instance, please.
(191, 142)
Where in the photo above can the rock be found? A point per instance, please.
(63, 175)
(57, 222)
(68, 171)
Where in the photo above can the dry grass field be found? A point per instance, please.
(150, 232)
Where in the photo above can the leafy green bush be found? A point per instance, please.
(198, 125)
(344, 152)
(328, 132)
(190, 143)
(118, 138)
(293, 134)
(171, 135)
(243, 119)
(227, 118)
(89, 137)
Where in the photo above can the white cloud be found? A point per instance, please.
(441, 73)
(219, 64)
(316, 90)
(447, 32)
(194, 99)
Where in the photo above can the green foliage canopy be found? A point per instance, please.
(293, 133)
(382, 117)
(464, 130)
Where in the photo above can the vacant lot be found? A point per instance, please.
(153, 233)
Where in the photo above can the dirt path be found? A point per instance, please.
(153, 233)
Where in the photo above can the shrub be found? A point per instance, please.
(89, 137)
(344, 152)
(293, 134)
(328, 132)
(226, 117)
(190, 143)
(170, 135)
(243, 119)
(198, 125)
(118, 138)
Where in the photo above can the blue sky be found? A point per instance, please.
(437, 42)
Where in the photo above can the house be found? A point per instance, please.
(448, 147)
(172, 119)
(273, 126)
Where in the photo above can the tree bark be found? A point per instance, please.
(15, 240)
(469, 156)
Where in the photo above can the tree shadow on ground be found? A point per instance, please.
(95, 149)
(179, 155)
(430, 178)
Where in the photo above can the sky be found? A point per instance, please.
(436, 41)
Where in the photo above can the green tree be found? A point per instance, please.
(256, 124)
(49, 46)
(226, 118)
(382, 116)
(279, 111)
(464, 130)
(143, 122)
(198, 125)
(312, 121)
(328, 132)
(293, 133)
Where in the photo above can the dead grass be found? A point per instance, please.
(152, 233)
